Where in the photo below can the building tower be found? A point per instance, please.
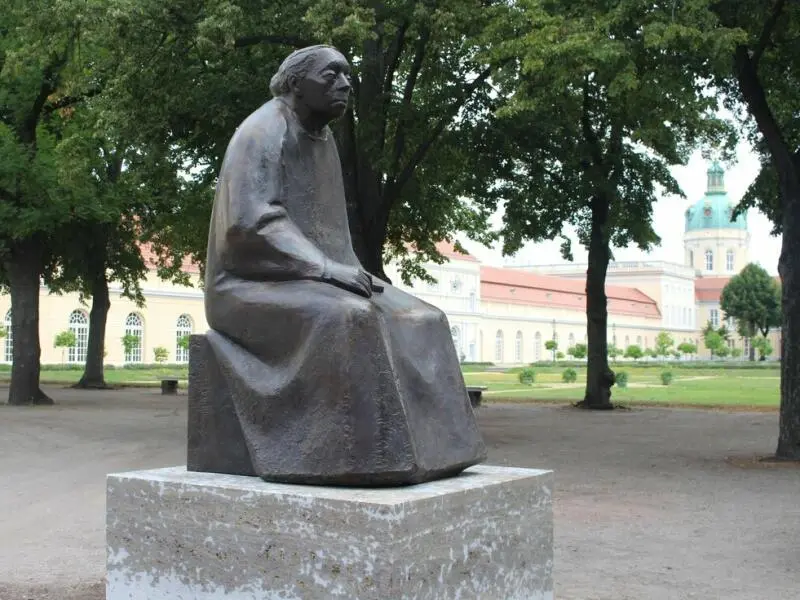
(713, 244)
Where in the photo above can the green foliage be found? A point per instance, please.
(621, 379)
(183, 342)
(764, 347)
(664, 343)
(666, 377)
(633, 351)
(577, 351)
(65, 339)
(3, 332)
(551, 345)
(614, 352)
(559, 355)
(736, 352)
(753, 298)
(130, 342)
(527, 376)
(161, 354)
(687, 348)
(569, 375)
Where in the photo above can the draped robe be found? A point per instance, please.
(329, 387)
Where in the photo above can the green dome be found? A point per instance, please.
(714, 210)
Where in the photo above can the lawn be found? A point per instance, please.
(706, 387)
(712, 386)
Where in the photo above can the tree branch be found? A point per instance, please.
(426, 144)
(408, 94)
(285, 40)
(392, 56)
(766, 32)
(67, 101)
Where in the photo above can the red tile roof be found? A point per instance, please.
(522, 287)
(151, 260)
(448, 249)
(709, 289)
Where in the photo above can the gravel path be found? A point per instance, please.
(647, 504)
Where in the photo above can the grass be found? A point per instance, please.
(707, 386)
(692, 387)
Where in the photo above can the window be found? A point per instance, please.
(79, 325)
(730, 323)
(729, 261)
(8, 346)
(455, 333)
(537, 347)
(713, 316)
(627, 341)
(709, 260)
(571, 340)
(518, 347)
(691, 258)
(183, 327)
(746, 347)
(639, 341)
(498, 346)
(472, 302)
(135, 327)
(455, 285)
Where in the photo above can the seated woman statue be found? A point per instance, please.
(334, 377)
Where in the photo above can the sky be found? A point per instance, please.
(668, 217)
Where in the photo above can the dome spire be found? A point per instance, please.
(716, 179)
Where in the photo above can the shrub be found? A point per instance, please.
(569, 375)
(559, 355)
(622, 379)
(161, 354)
(666, 377)
(527, 376)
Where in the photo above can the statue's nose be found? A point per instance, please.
(343, 83)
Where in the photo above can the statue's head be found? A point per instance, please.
(318, 77)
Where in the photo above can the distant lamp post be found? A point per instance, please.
(614, 334)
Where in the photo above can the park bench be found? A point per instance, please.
(475, 393)
(169, 385)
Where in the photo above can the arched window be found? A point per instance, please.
(183, 328)
(571, 340)
(8, 346)
(537, 347)
(639, 341)
(134, 326)
(518, 347)
(627, 341)
(729, 256)
(691, 258)
(498, 346)
(79, 325)
(709, 260)
(455, 333)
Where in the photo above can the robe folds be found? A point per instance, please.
(328, 387)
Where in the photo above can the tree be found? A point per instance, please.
(41, 77)
(687, 348)
(420, 96)
(615, 352)
(633, 351)
(551, 345)
(602, 103)
(160, 354)
(715, 343)
(130, 343)
(577, 351)
(762, 75)
(753, 298)
(64, 340)
(664, 344)
(764, 347)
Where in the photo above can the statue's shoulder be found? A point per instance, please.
(265, 127)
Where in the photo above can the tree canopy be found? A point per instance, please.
(753, 298)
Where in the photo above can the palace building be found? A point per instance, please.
(500, 315)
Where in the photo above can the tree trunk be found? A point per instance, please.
(24, 267)
(788, 267)
(599, 376)
(93, 377)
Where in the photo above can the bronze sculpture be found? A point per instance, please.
(313, 371)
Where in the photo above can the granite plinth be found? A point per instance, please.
(486, 533)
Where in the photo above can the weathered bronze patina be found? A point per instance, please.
(314, 372)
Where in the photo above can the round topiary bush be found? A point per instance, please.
(527, 376)
(666, 377)
(569, 375)
(622, 379)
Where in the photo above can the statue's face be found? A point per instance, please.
(326, 88)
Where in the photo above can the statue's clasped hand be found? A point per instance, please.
(352, 279)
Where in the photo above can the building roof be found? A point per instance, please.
(521, 287)
(448, 250)
(709, 289)
(151, 260)
(715, 208)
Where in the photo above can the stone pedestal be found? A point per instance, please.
(181, 535)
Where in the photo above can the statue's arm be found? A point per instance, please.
(259, 239)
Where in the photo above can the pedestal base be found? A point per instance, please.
(180, 535)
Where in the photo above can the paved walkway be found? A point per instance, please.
(647, 507)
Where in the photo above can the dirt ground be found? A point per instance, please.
(648, 504)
